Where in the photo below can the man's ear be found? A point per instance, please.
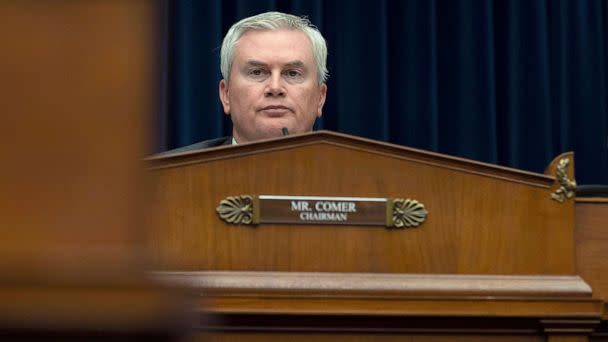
(223, 89)
(322, 96)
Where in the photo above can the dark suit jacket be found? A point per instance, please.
(199, 145)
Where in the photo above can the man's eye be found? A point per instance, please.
(256, 72)
(293, 73)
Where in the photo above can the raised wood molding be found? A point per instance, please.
(301, 293)
(378, 284)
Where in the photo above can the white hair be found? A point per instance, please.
(274, 21)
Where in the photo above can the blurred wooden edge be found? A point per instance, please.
(103, 310)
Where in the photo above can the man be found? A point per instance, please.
(274, 72)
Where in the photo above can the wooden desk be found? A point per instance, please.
(495, 259)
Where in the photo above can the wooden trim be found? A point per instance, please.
(425, 306)
(569, 326)
(591, 200)
(368, 294)
(378, 284)
(352, 142)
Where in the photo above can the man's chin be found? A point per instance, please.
(271, 128)
(275, 132)
(274, 128)
(261, 134)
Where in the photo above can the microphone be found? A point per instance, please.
(285, 131)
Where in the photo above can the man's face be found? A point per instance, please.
(273, 84)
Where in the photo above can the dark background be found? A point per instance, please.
(512, 82)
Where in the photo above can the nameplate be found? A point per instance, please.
(368, 211)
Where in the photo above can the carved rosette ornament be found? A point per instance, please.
(407, 213)
(236, 209)
(567, 186)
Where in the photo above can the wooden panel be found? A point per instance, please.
(485, 221)
(591, 238)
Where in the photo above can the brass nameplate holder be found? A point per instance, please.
(388, 212)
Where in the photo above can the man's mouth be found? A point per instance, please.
(275, 111)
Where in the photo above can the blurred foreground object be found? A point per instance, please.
(77, 83)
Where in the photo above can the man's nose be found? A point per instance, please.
(275, 86)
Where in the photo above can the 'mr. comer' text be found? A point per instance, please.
(323, 210)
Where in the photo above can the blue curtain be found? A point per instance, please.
(512, 82)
